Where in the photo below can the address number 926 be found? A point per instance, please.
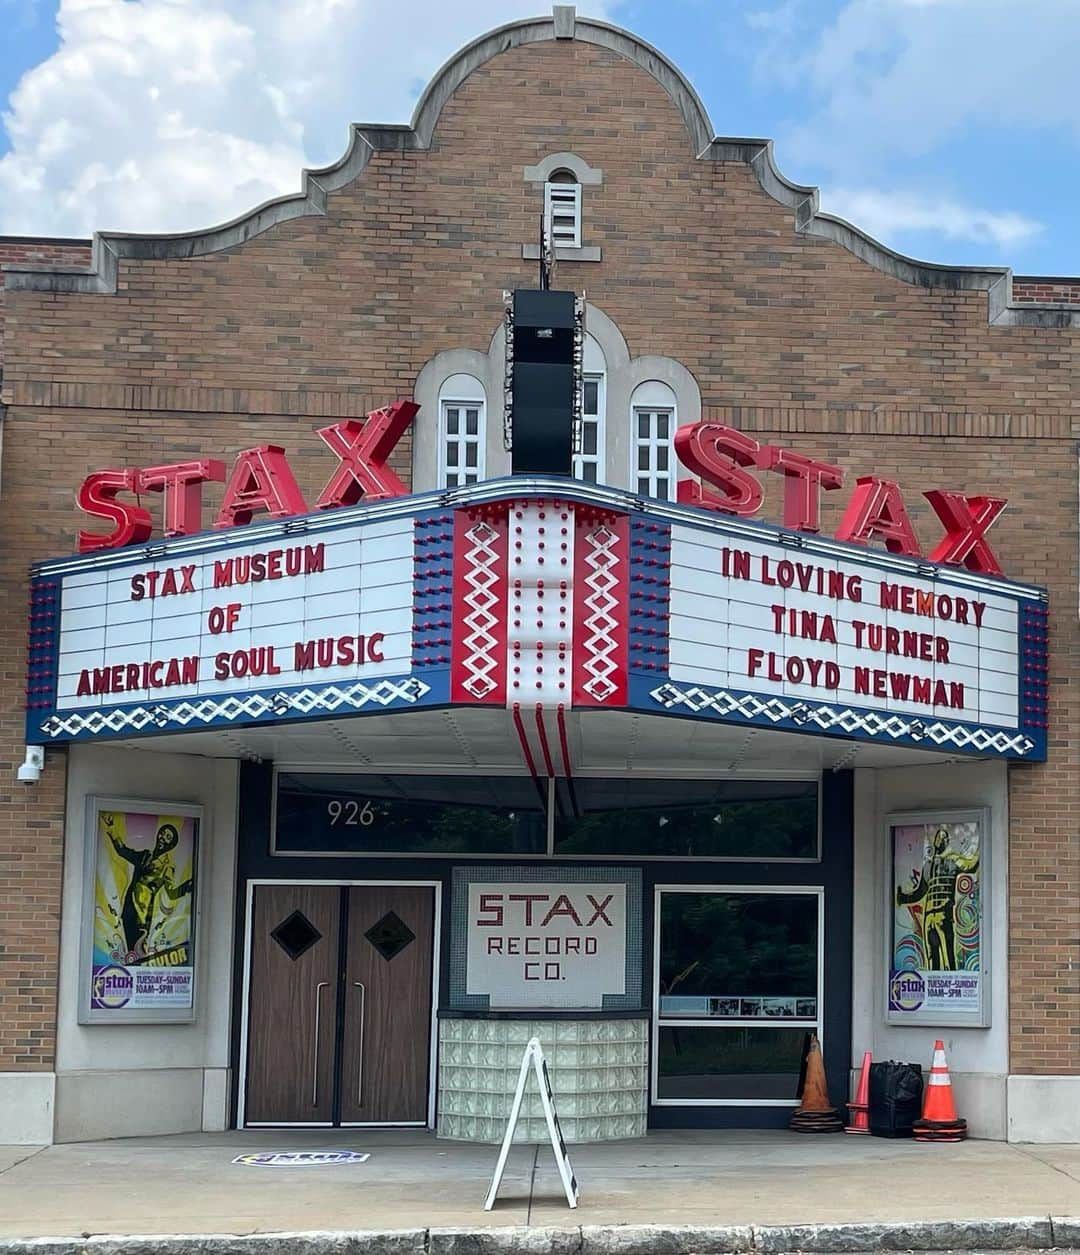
(350, 813)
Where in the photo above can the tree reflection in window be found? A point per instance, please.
(757, 948)
(768, 819)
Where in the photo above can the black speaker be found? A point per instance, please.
(543, 383)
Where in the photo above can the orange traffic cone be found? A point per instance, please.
(816, 1114)
(939, 1122)
(860, 1108)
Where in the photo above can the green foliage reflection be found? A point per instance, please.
(722, 945)
(765, 829)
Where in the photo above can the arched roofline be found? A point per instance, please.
(110, 247)
(563, 24)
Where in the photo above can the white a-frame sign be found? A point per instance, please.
(533, 1059)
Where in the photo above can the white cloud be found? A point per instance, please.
(899, 78)
(783, 20)
(162, 115)
(885, 215)
(910, 110)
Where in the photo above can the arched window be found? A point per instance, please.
(589, 460)
(653, 420)
(462, 420)
(562, 209)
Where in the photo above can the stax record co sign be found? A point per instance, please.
(539, 595)
(261, 482)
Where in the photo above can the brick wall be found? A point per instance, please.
(1045, 291)
(789, 336)
(22, 250)
(32, 841)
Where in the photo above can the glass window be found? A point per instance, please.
(744, 1064)
(737, 993)
(738, 956)
(588, 461)
(338, 813)
(653, 476)
(461, 443)
(632, 815)
(341, 812)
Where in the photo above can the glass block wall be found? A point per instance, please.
(598, 1069)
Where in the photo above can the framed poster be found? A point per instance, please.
(938, 935)
(140, 911)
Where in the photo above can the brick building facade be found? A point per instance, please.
(708, 275)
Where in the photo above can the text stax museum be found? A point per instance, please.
(352, 744)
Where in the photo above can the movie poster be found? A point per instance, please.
(938, 944)
(142, 947)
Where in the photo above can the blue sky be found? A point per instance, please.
(949, 129)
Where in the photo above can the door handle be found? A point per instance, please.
(360, 1052)
(323, 984)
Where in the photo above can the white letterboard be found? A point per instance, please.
(353, 584)
(902, 642)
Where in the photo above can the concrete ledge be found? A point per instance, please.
(587, 252)
(1028, 1233)
(1044, 1109)
(133, 1103)
(27, 1100)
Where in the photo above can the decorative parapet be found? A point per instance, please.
(110, 248)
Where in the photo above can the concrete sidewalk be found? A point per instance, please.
(189, 1185)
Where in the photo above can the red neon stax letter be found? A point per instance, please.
(182, 484)
(967, 520)
(804, 479)
(97, 496)
(362, 449)
(260, 480)
(877, 507)
(718, 454)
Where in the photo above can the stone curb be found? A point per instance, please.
(1028, 1233)
(1066, 1231)
(1032, 1233)
(374, 1242)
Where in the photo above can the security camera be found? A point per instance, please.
(30, 771)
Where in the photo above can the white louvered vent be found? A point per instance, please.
(562, 211)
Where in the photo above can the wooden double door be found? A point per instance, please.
(339, 1004)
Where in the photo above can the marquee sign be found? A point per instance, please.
(725, 460)
(262, 482)
(539, 596)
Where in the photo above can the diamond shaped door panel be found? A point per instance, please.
(296, 934)
(390, 935)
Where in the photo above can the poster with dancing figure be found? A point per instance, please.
(937, 944)
(141, 865)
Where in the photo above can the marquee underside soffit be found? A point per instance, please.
(598, 741)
